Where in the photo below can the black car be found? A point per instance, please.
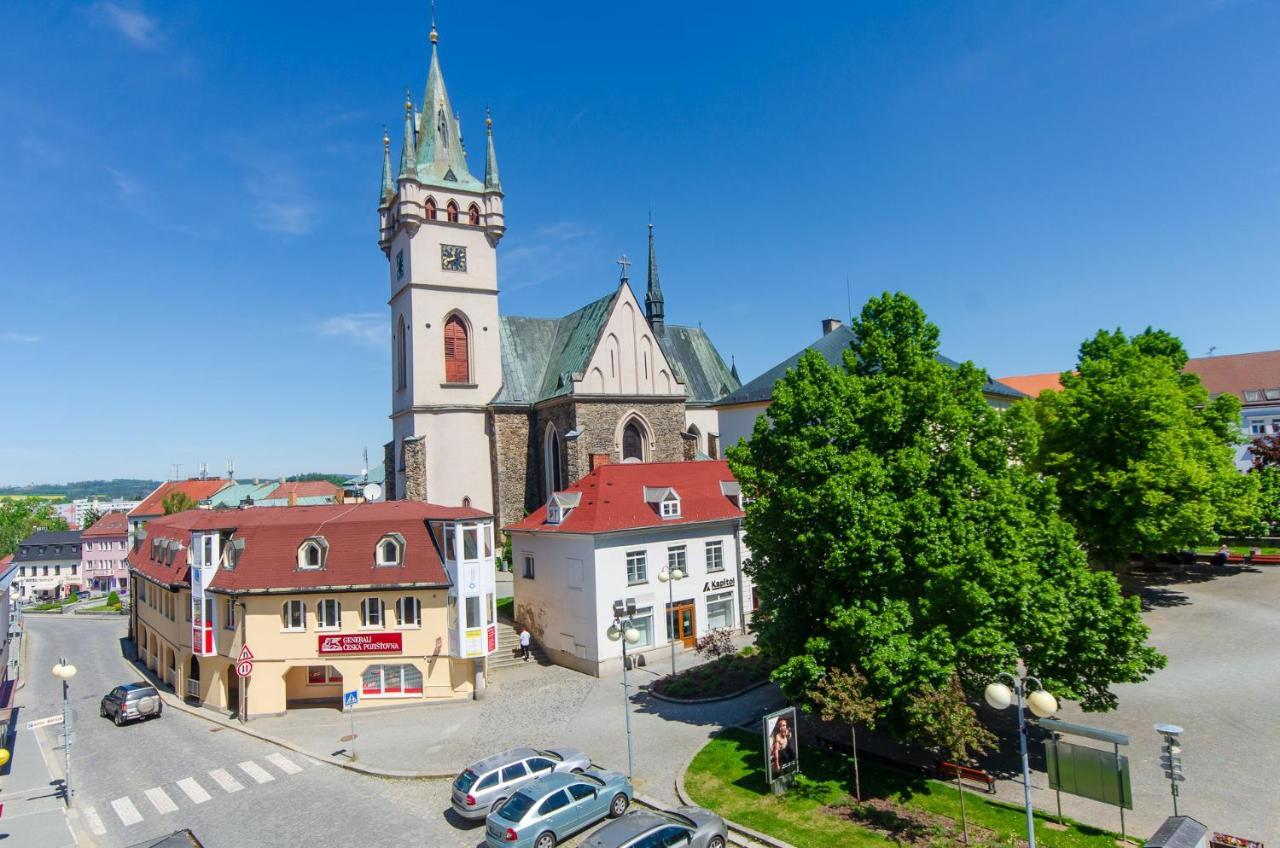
(131, 701)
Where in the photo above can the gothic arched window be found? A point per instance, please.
(451, 212)
(473, 215)
(633, 442)
(553, 461)
(402, 356)
(457, 365)
(431, 209)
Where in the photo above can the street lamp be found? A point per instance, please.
(64, 671)
(623, 630)
(1171, 758)
(1043, 705)
(670, 576)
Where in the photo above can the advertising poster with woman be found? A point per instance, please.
(781, 749)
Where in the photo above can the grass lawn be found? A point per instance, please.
(1242, 550)
(52, 605)
(728, 776)
(506, 607)
(103, 608)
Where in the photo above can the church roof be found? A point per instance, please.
(541, 355)
(831, 347)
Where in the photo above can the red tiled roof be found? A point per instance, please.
(4, 561)
(114, 523)
(613, 498)
(1034, 384)
(1237, 373)
(197, 490)
(304, 489)
(272, 536)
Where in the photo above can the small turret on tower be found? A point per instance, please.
(654, 307)
(388, 190)
(495, 222)
(408, 156)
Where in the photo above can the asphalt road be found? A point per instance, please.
(148, 779)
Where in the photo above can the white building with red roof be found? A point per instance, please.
(104, 553)
(619, 534)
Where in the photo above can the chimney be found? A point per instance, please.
(830, 324)
(293, 497)
(599, 459)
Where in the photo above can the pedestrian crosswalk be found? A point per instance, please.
(128, 814)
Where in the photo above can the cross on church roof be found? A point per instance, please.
(624, 262)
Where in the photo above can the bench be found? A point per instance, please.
(1265, 559)
(952, 771)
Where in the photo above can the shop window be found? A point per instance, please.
(294, 615)
(329, 614)
(643, 622)
(320, 675)
(720, 611)
(371, 612)
(409, 611)
(391, 680)
(715, 557)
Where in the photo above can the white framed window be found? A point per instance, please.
(390, 550)
(294, 615)
(528, 567)
(643, 621)
(371, 612)
(671, 506)
(715, 557)
(677, 557)
(637, 568)
(229, 614)
(390, 680)
(554, 513)
(473, 612)
(720, 611)
(409, 611)
(312, 553)
(329, 614)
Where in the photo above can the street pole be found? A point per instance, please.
(626, 705)
(671, 619)
(66, 739)
(1026, 768)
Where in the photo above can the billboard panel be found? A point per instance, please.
(1089, 772)
(781, 748)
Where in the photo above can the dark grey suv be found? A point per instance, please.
(131, 701)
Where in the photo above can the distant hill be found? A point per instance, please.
(134, 490)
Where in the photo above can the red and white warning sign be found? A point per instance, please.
(244, 665)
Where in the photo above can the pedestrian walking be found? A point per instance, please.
(524, 643)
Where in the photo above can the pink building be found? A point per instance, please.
(104, 551)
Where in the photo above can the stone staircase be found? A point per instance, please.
(508, 653)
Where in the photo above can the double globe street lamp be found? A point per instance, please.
(64, 671)
(670, 576)
(1001, 696)
(624, 630)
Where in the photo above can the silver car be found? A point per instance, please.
(483, 786)
(687, 827)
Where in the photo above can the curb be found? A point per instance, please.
(670, 700)
(173, 701)
(735, 829)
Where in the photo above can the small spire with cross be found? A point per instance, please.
(624, 262)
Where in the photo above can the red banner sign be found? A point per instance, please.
(361, 643)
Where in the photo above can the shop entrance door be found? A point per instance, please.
(681, 623)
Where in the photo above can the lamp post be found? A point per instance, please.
(64, 671)
(1171, 758)
(624, 631)
(1040, 702)
(670, 576)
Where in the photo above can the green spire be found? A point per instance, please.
(408, 157)
(653, 303)
(388, 187)
(491, 180)
(441, 159)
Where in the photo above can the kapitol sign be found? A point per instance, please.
(361, 643)
(722, 583)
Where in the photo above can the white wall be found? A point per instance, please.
(708, 423)
(738, 422)
(560, 614)
(628, 360)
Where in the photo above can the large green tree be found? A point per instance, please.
(177, 502)
(890, 530)
(1142, 456)
(20, 517)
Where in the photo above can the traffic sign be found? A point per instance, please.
(350, 699)
(43, 722)
(244, 668)
(246, 655)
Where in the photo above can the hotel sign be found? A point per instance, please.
(361, 643)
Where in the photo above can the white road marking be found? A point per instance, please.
(126, 811)
(285, 764)
(95, 822)
(160, 800)
(194, 790)
(225, 780)
(256, 771)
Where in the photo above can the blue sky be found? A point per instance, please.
(188, 259)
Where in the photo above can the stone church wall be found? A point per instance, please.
(599, 422)
(515, 466)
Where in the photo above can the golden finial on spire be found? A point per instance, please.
(408, 100)
(435, 36)
(488, 121)
(386, 139)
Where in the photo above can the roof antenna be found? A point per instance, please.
(1212, 348)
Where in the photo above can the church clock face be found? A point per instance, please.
(453, 257)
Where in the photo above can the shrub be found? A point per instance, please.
(113, 599)
(715, 645)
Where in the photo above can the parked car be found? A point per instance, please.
(688, 827)
(131, 701)
(484, 786)
(555, 807)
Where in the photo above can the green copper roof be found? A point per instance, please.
(408, 166)
(491, 180)
(388, 189)
(698, 363)
(441, 158)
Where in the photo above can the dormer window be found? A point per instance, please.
(561, 505)
(732, 490)
(664, 499)
(312, 553)
(390, 550)
(671, 506)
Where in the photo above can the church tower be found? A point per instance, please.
(440, 228)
